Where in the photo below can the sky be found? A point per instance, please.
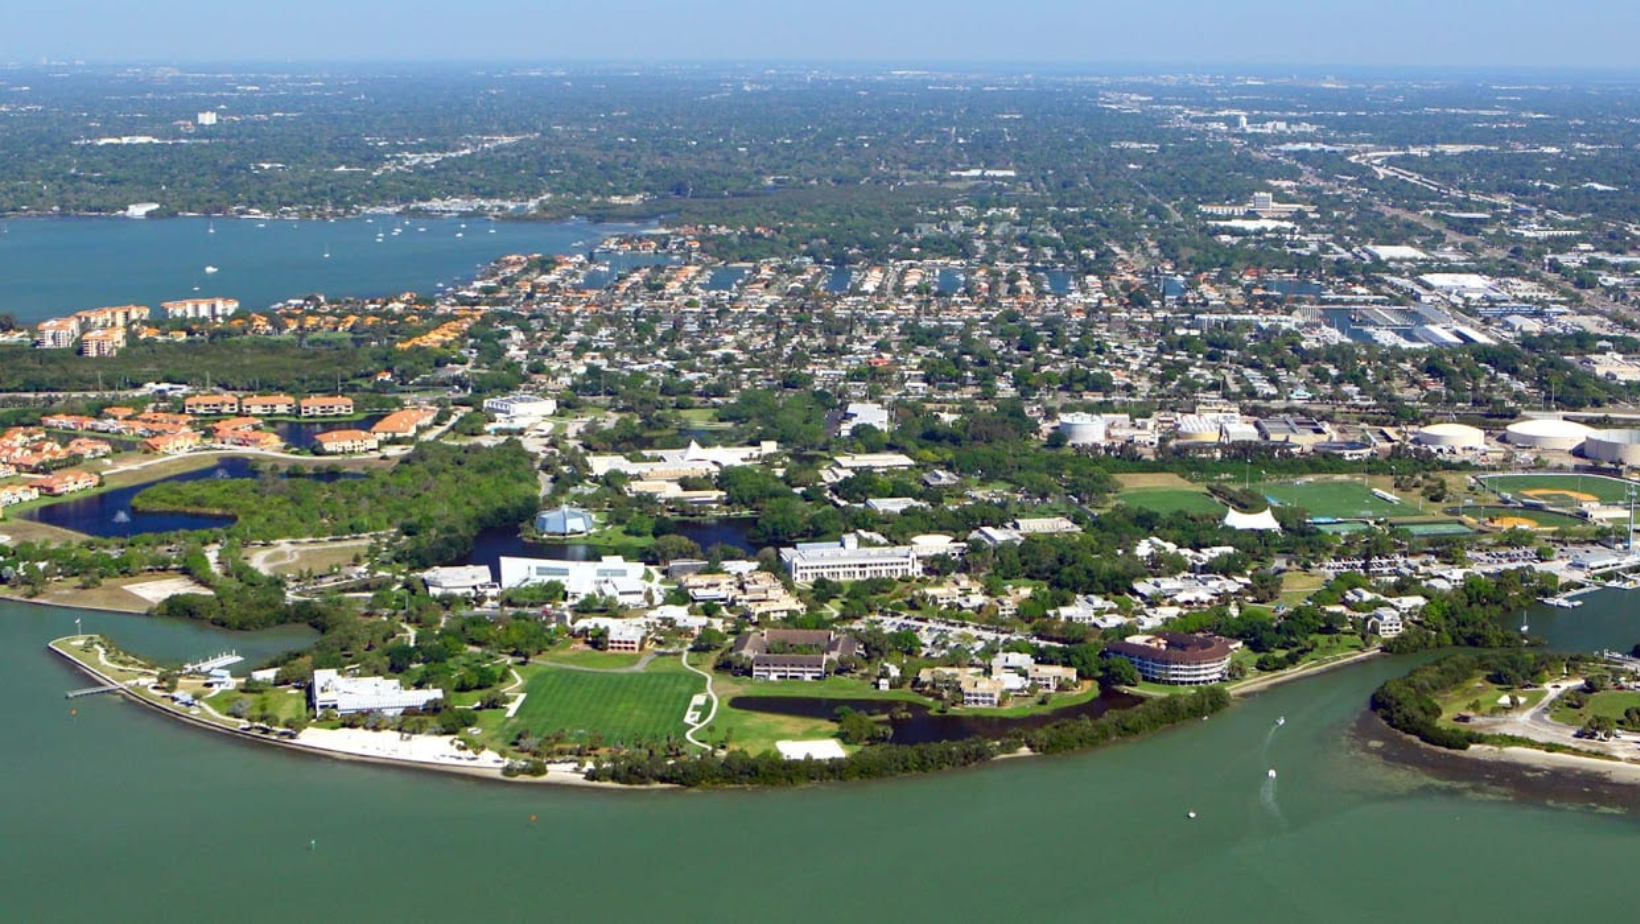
(1437, 34)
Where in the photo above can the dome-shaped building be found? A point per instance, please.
(564, 521)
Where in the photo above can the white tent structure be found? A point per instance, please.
(1264, 520)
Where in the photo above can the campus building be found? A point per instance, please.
(346, 695)
(846, 561)
(794, 654)
(1176, 657)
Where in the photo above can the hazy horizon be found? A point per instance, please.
(1502, 35)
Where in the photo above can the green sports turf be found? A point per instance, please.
(622, 708)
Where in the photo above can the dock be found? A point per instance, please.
(222, 660)
(93, 691)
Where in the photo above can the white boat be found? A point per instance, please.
(210, 269)
(1272, 773)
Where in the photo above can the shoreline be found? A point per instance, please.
(558, 778)
(1260, 684)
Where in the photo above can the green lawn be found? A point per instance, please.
(1171, 500)
(1611, 704)
(1464, 697)
(282, 703)
(586, 657)
(1607, 490)
(619, 708)
(1335, 499)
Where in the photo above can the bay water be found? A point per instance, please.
(117, 812)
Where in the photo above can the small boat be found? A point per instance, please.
(210, 269)
(1272, 773)
(1281, 720)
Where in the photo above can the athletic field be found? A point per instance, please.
(1561, 490)
(621, 708)
(1335, 499)
(1171, 500)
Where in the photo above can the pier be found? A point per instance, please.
(93, 691)
(210, 664)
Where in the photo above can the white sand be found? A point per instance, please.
(157, 591)
(421, 749)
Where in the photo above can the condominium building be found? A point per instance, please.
(268, 406)
(202, 309)
(57, 333)
(102, 342)
(328, 406)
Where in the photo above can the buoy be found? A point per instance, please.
(73, 712)
(532, 818)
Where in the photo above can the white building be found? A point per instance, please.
(847, 561)
(521, 410)
(346, 695)
(625, 582)
(459, 579)
(864, 413)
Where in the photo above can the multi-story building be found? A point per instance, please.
(340, 442)
(200, 309)
(210, 405)
(115, 316)
(1176, 657)
(67, 481)
(847, 561)
(794, 654)
(57, 333)
(326, 406)
(102, 342)
(268, 406)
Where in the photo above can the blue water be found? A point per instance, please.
(838, 279)
(491, 544)
(303, 434)
(110, 514)
(49, 266)
(948, 281)
(725, 278)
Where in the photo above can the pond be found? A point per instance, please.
(491, 544)
(302, 434)
(109, 513)
(916, 723)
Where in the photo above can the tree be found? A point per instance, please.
(1117, 672)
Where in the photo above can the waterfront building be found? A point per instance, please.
(794, 654)
(982, 692)
(200, 309)
(470, 580)
(326, 406)
(611, 576)
(268, 406)
(342, 442)
(564, 521)
(67, 481)
(172, 443)
(403, 424)
(346, 695)
(1176, 657)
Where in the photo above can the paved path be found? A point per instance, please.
(710, 715)
(643, 662)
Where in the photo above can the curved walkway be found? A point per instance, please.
(643, 662)
(689, 735)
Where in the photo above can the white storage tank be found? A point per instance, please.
(1619, 447)
(1562, 435)
(1083, 429)
(1450, 436)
